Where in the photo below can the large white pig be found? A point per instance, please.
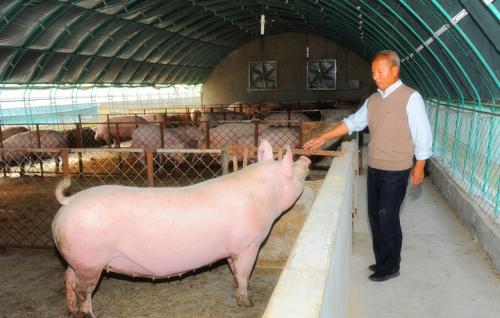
(126, 126)
(155, 117)
(281, 137)
(149, 137)
(190, 135)
(29, 139)
(283, 119)
(162, 232)
(240, 133)
(213, 118)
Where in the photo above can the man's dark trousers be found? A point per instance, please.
(386, 191)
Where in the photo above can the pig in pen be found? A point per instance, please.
(117, 129)
(187, 227)
(33, 287)
(10, 156)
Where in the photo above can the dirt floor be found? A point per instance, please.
(33, 286)
(32, 281)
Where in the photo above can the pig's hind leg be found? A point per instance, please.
(70, 280)
(243, 263)
(82, 284)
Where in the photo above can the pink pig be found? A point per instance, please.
(162, 232)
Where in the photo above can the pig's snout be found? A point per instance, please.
(301, 167)
(305, 159)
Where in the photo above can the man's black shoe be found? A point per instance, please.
(380, 277)
(373, 267)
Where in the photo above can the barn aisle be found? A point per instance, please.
(443, 271)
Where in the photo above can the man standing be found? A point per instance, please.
(399, 130)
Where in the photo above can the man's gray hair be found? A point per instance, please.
(391, 55)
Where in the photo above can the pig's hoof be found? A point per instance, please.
(82, 315)
(244, 301)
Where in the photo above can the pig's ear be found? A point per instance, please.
(265, 151)
(287, 163)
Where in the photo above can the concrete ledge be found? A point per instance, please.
(479, 223)
(315, 281)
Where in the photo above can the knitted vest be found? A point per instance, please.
(391, 146)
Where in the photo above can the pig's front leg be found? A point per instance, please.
(243, 264)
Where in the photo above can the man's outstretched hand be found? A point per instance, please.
(314, 144)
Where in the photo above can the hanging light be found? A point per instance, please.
(262, 23)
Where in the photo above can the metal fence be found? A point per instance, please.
(467, 144)
(27, 201)
(148, 149)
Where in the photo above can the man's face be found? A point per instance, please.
(384, 73)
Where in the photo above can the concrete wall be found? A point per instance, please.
(315, 280)
(228, 82)
(471, 214)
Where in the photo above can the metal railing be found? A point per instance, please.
(467, 145)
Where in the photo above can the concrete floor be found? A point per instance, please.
(443, 271)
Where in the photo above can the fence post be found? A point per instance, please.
(1, 154)
(149, 167)
(280, 153)
(117, 141)
(256, 133)
(245, 157)
(235, 163)
(65, 162)
(39, 145)
(79, 136)
(162, 135)
(109, 131)
(301, 136)
(135, 118)
(225, 160)
(207, 134)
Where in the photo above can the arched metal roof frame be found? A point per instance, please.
(456, 41)
(348, 19)
(394, 45)
(454, 44)
(69, 62)
(417, 67)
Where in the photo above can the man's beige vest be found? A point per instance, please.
(391, 146)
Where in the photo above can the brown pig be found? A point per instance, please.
(13, 130)
(126, 126)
